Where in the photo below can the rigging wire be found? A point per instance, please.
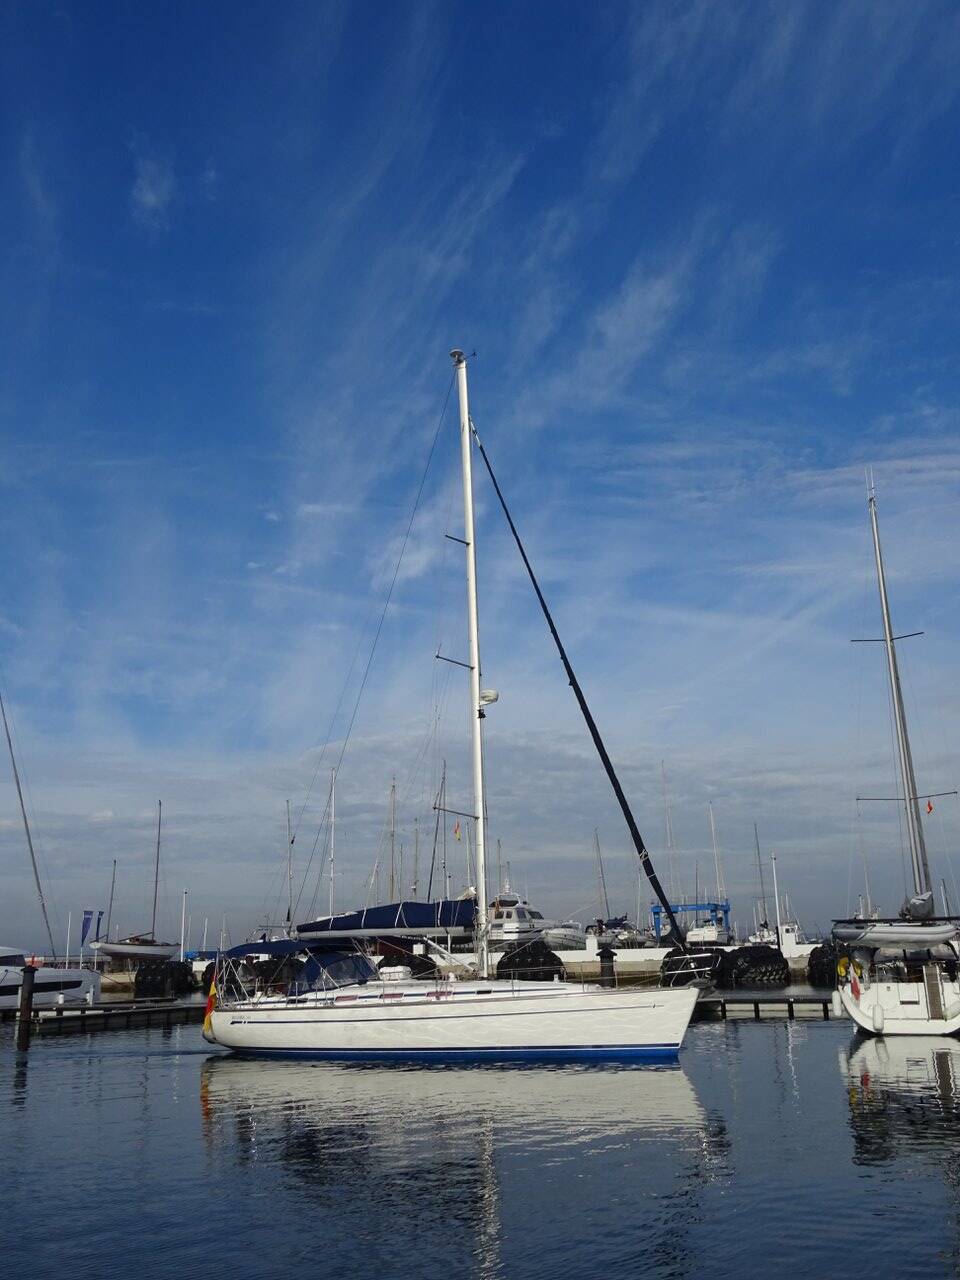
(642, 851)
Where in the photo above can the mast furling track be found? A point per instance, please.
(641, 848)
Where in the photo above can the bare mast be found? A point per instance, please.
(918, 848)
(605, 901)
(763, 891)
(26, 827)
(476, 703)
(156, 874)
(289, 872)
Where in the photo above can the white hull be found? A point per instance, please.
(136, 950)
(902, 1009)
(77, 986)
(469, 1021)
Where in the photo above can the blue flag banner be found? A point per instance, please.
(85, 927)
(96, 936)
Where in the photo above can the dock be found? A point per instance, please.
(116, 1017)
(775, 1004)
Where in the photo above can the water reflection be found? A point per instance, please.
(470, 1154)
(904, 1094)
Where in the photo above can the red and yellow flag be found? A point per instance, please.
(456, 828)
(211, 1005)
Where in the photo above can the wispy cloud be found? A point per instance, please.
(153, 190)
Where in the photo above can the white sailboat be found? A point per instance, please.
(901, 975)
(139, 947)
(342, 1008)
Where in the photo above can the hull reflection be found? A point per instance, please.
(458, 1150)
(904, 1096)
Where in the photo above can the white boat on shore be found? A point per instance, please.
(136, 948)
(339, 1006)
(139, 948)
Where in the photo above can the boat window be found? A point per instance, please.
(13, 960)
(536, 915)
(521, 914)
(336, 969)
(498, 915)
(509, 915)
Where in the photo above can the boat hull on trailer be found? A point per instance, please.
(453, 1022)
(138, 951)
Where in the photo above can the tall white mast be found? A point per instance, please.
(289, 873)
(776, 895)
(918, 848)
(721, 886)
(476, 706)
(183, 923)
(333, 828)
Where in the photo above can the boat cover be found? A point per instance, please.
(449, 915)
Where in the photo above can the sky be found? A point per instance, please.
(707, 257)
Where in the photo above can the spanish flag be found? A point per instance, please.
(211, 1005)
(456, 828)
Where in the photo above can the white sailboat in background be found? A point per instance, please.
(901, 976)
(140, 947)
(341, 1007)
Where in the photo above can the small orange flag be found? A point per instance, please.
(929, 806)
(456, 828)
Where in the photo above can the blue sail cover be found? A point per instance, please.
(447, 916)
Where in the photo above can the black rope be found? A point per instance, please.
(640, 847)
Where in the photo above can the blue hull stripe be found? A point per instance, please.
(566, 1053)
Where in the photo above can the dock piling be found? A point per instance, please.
(25, 1012)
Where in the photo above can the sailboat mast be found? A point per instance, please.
(602, 878)
(393, 838)
(333, 827)
(289, 871)
(918, 848)
(156, 874)
(26, 827)
(721, 887)
(776, 894)
(473, 633)
(763, 891)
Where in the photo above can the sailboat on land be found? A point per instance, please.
(900, 975)
(340, 1006)
(140, 947)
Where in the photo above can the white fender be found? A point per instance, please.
(952, 1011)
(878, 1019)
(836, 1005)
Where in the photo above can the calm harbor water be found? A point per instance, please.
(778, 1147)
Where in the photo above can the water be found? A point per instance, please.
(775, 1147)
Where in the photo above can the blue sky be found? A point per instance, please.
(707, 255)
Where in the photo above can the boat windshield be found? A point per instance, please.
(335, 969)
